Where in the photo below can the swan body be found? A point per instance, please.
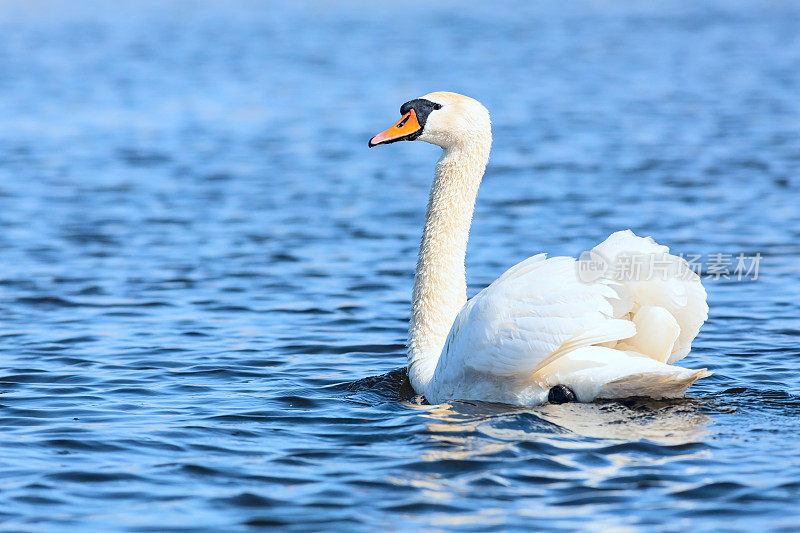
(542, 323)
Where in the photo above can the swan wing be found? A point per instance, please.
(665, 298)
(536, 312)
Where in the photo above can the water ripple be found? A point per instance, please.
(205, 274)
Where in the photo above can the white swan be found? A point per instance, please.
(541, 330)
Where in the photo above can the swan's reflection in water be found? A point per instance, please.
(476, 428)
(563, 455)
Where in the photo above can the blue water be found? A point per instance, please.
(205, 274)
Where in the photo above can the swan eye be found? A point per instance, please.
(437, 106)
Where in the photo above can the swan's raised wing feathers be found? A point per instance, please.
(664, 281)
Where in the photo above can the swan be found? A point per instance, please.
(544, 330)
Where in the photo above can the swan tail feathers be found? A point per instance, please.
(657, 385)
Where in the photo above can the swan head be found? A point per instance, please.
(449, 120)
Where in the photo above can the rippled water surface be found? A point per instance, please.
(205, 273)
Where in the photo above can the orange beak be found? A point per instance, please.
(402, 130)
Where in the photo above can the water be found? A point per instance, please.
(205, 273)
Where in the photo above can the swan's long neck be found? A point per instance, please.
(440, 286)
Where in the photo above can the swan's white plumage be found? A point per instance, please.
(515, 323)
(666, 281)
(656, 333)
(599, 372)
(540, 324)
